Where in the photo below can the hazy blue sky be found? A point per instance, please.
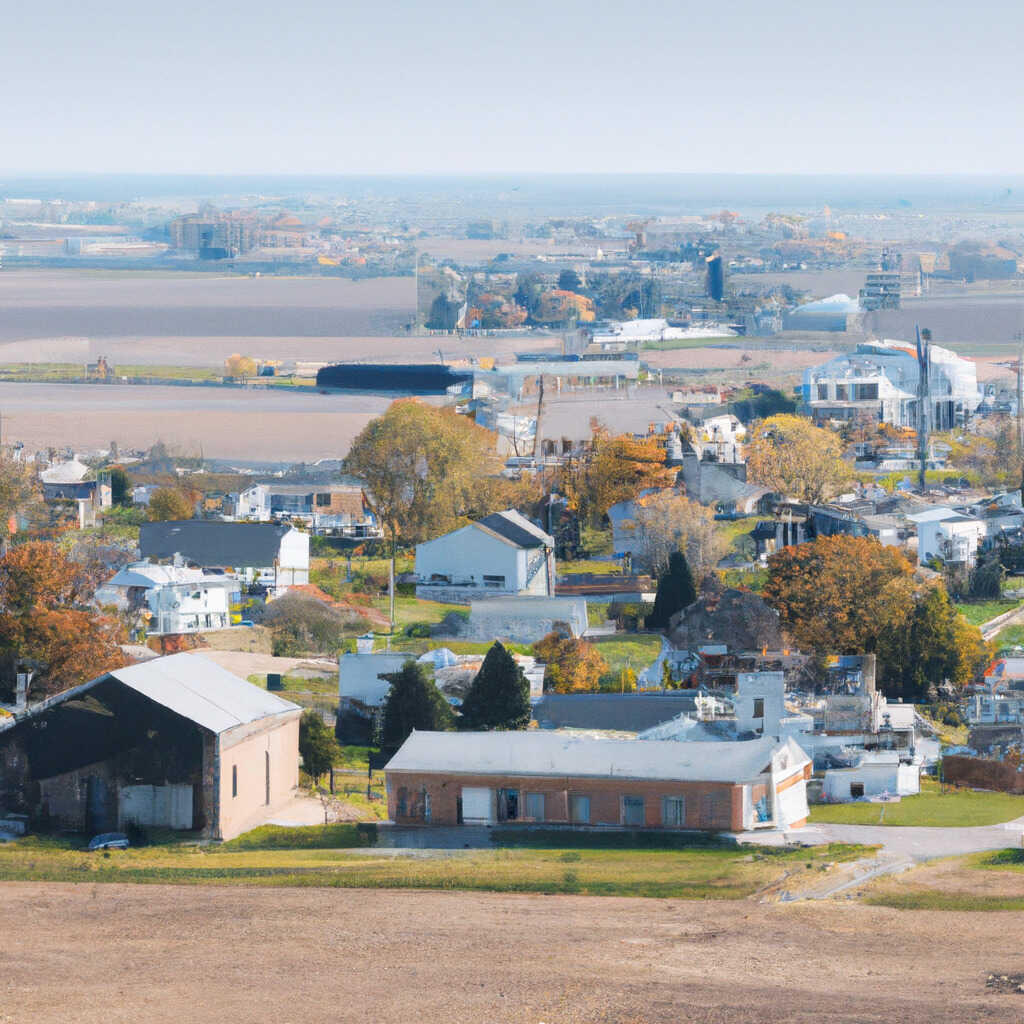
(399, 86)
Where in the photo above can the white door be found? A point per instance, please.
(478, 805)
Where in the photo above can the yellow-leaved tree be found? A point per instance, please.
(795, 458)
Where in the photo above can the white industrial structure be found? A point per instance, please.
(881, 379)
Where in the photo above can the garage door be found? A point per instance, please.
(477, 805)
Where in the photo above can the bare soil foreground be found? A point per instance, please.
(107, 953)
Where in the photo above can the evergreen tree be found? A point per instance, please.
(499, 696)
(317, 746)
(413, 702)
(675, 592)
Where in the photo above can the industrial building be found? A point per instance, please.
(881, 380)
(549, 778)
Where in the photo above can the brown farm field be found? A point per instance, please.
(96, 953)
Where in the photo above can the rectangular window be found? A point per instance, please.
(535, 806)
(426, 805)
(234, 780)
(673, 811)
(759, 707)
(495, 582)
(633, 811)
(579, 810)
(842, 391)
(402, 802)
(508, 804)
(856, 790)
(822, 392)
(323, 500)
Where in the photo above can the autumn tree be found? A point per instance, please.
(573, 665)
(795, 458)
(46, 624)
(19, 495)
(834, 594)
(667, 522)
(413, 702)
(617, 468)
(170, 503)
(240, 366)
(422, 466)
(499, 696)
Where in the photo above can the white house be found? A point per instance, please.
(948, 535)
(878, 773)
(502, 555)
(173, 599)
(273, 554)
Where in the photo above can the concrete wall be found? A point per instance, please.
(714, 806)
(243, 756)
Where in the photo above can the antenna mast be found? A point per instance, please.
(923, 400)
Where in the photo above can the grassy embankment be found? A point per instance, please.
(980, 612)
(317, 856)
(965, 883)
(955, 808)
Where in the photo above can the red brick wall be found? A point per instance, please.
(709, 805)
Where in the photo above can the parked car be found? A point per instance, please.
(109, 841)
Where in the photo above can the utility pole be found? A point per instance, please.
(1019, 336)
(923, 400)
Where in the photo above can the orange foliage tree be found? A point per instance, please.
(835, 594)
(573, 666)
(46, 626)
(615, 469)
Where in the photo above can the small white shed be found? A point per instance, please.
(874, 775)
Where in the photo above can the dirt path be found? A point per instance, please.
(110, 953)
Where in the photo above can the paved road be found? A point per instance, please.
(919, 843)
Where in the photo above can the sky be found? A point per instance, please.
(453, 86)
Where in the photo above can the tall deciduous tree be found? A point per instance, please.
(499, 696)
(932, 645)
(46, 625)
(422, 467)
(616, 469)
(170, 503)
(834, 594)
(19, 495)
(667, 522)
(675, 592)
(413, 702)
(795, 458)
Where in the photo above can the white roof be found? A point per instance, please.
(190, 685)
(550, 753)
(65, 473)
(145, 574)
(200, 690)
(359, 676)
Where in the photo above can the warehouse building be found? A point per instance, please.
(548, 778)
(176, 742)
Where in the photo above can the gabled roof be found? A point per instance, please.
(550, 753)
(210, 542)
(71, 472)
(189, 685)
(517, 529)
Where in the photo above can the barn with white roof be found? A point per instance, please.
(177, 742)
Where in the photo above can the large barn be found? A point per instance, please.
(176, 742)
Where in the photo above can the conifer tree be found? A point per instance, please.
(499, 696)
(413, 702)
(675, 592)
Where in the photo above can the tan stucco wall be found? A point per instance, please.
(247, 753)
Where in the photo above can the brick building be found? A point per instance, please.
(540, 777)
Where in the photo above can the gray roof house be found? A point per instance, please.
(272, 553)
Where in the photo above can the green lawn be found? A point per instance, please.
(635, 651)
(583, 566)
(410, 610)
(983, 611)
(325, 686)
(734, 532)
(682, 343)
(317, 856)
(955, 808)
